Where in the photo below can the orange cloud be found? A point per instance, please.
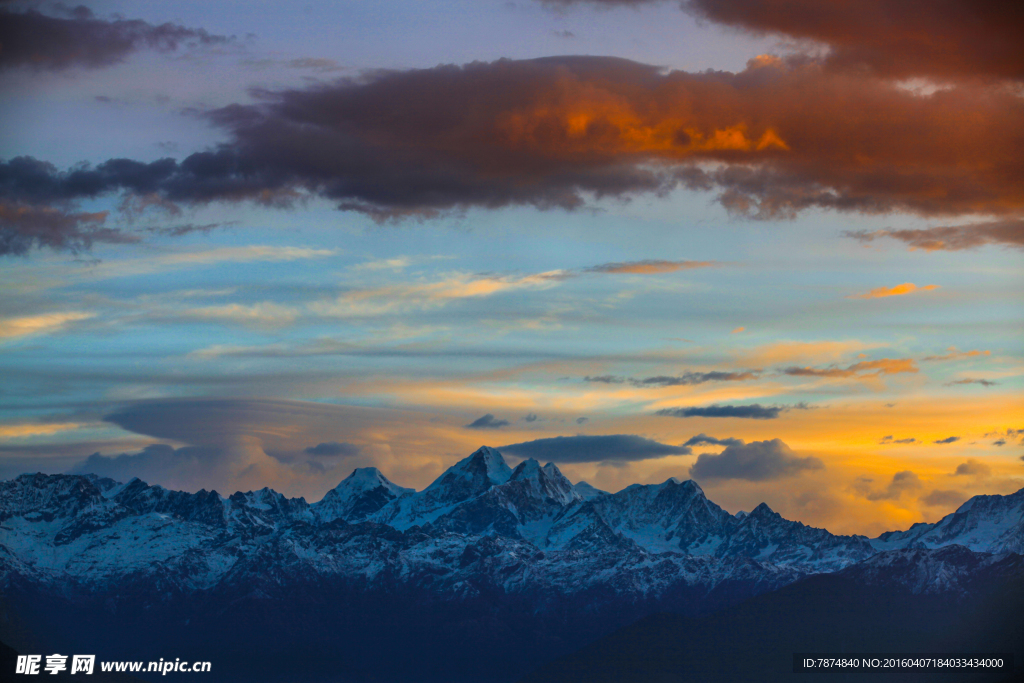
(898, 290)
(777, 138)
(738, 330)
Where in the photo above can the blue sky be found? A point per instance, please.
(250, 330)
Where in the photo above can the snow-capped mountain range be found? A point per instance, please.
(480, 523)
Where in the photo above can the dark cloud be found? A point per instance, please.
(689, 378)
(686, 379)
(488, 421)
(948, 439)
(530, 417)
(582, 420)
(605, 379)
(611, 447)
(754, 461)
(333, 449)
(883, 366)
(972, 468)
(702, 439)
(940, 38)
(941, 498)
(755, 411)
(1005, 436)
(889, 439)
(188, 228)
(37, 41)
(982, 382)
(25, 227)
(773, 140)
(1004, 233)
(901, 482)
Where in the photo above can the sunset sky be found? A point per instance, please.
(772, 246)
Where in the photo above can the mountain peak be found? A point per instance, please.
(360, 494)
(762, 511)
(528, 468)
(486, 467)
(547, 480)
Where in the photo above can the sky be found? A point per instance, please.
(774, 247)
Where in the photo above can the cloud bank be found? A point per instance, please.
(611, 447)
(772, 140)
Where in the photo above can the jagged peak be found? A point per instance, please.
(485, 461)
(365, 474)
(527, 469)
(365, 479)
(762, 510)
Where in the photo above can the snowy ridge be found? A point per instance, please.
(463, 481)
(983, 524)
(359, 495)
(479, 524)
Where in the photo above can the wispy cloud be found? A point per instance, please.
(982, 382)
(649, 267)
(898, 290)
(688, 378)
(1005, 233)
(954, 354)
(263, 314)
(403, 297)
(14, 431)
(883, 366)
(47, 323)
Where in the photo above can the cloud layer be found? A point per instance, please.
(610, 447)
(772, 140)
(754, 461)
